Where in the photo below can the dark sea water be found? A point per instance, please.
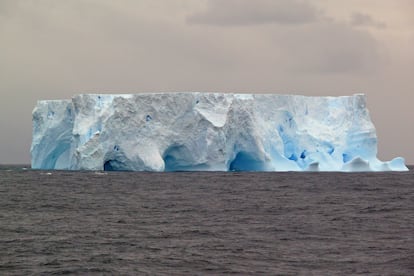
(127, 223)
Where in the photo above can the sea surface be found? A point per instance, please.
(205, 223)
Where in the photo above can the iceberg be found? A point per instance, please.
(197, 131)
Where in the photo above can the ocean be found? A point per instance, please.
(205, 223)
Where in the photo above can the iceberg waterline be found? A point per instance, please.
(197, 131)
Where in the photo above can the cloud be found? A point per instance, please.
(328, 48)
(248, 12)
(7, 6)
(365, 20)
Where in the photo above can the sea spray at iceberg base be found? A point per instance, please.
(206, 132)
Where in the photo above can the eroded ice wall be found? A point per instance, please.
(206, 131)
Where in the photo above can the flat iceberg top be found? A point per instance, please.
(188, 131)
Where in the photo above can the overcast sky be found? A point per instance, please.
(52, 49)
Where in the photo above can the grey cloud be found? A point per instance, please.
(365, 20)
(330, 48)
(248, 12)
(8, 6)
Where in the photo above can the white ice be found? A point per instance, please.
(206, 131)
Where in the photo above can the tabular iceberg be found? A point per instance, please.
(206, 131)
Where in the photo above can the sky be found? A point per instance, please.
(54, 49)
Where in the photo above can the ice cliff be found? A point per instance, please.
(206, 131)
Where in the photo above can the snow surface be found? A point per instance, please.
(206, 131)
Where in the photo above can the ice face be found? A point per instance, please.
(206, 131)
